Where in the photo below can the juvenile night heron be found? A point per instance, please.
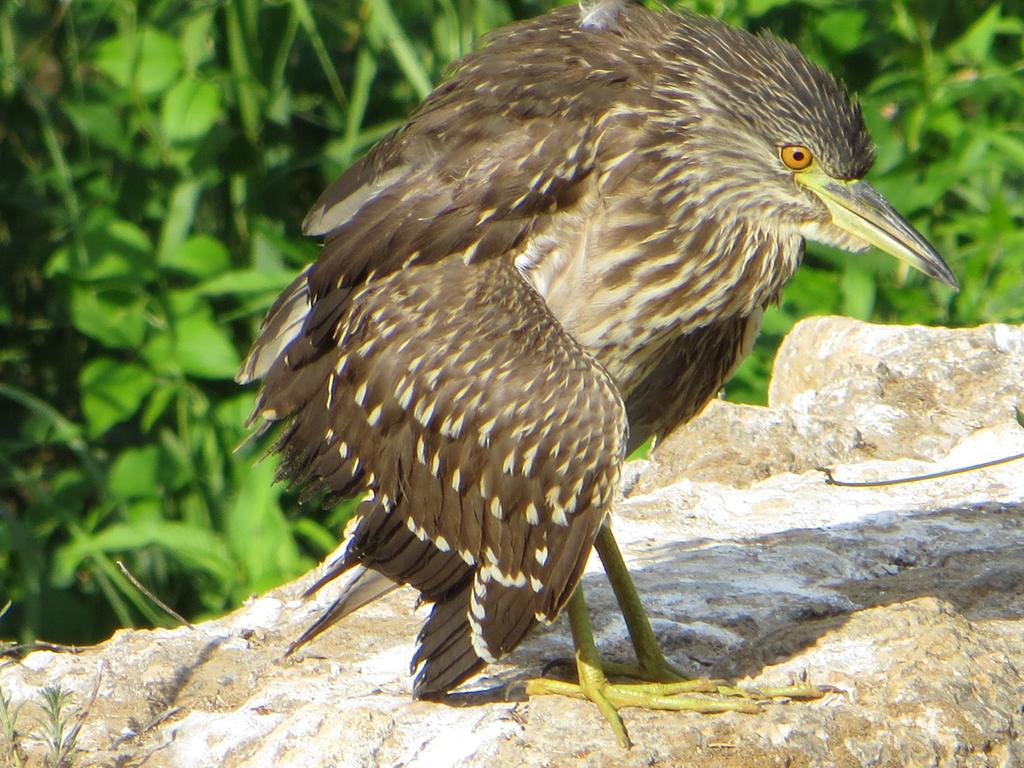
(563, 252)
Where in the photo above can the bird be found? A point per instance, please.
(563, 253)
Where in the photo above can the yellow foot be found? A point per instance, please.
(802, 691)
(680, 695)
(660, 670)
(610, 697)
(662, 686)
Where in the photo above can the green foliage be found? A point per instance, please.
(157, 160)
(12, 753)
(52, 729)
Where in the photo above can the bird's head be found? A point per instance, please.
(778, 138)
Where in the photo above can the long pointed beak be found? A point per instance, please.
(859, 209)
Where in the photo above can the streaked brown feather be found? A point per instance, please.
(402, 330)
(542, 249)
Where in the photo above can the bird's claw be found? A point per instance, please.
(703, 696)
(682, 696)
(803, 691)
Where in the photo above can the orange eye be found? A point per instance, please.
(796, 156)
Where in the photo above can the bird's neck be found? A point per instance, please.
(625, 279)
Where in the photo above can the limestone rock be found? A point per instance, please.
(843, 391)
(909, 598)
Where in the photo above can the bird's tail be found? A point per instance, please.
(364, 587)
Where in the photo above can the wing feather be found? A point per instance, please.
(413, 360)
(457, 509)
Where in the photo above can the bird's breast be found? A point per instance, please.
(629, 279)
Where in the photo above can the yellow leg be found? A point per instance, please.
(610, 697)
(665, 685)
(652, 661)
(653, 665)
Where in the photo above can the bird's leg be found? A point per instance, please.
(652, 664)
(610, 697)
(592, 680)
(665, 686)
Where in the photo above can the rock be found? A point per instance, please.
(844, 391)
(909, 598)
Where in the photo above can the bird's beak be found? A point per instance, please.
(859, 209)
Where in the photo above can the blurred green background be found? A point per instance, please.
(156, 160)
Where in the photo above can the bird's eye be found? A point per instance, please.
(796, 156)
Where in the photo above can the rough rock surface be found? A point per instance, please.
(845, 392)
(909, 598)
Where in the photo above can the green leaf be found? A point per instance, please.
(258, 532)
(248, 92)
(190, 109)
(200, 256)
(179, 216)
(386, 32)
(757, 8)
(271, 248)
(203, 348)
(136, 472)
(114, 57)
(115, 250)
(1009, 146)
(195, 546)
(159, 62)
(160, 398)
(812, 291)
(304, 15)
(975, 44)
(197, 42)
(232, 413)
(115, 318)
(244, 281)
(145, 510)
(119, 250)
(158, 352)
(111, 392)
(100, 122)
(843, 28)
(147, 59)
(362, 88)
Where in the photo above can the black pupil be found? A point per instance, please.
(798, 156)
